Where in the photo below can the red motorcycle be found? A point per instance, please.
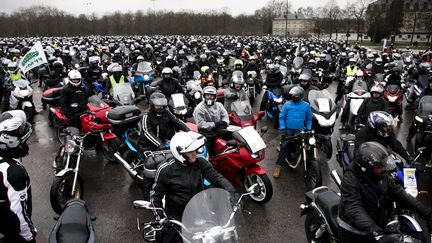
(393, 94)
(94, 122)
(241, 114)
(51, 97)
(237, 160)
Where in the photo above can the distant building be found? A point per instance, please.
(417, 19)
(296, 25)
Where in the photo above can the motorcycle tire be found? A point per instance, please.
(265, 192)
(312, 176)
(29, 111)
(313, 222)
(61, 188)
(50, 119)
(110, 148)
(327, 148)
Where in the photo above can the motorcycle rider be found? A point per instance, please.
(238, 66)
(235, 92)
(148, 53)
(375, 103)
(158, 126)
(115, 78)
(305, 82)
(356, 84)
(253, 66)
(210, 116)
(295, 116)
(73, 98)
(93, 72)
(379, 129)
(273, 81)
(352, 68)
(15, 188)
(13, 74)
(323, 63)
(181, 178)
(377, 66)
(367, 190)
(191, 66)
(169, 85)
(56, 75)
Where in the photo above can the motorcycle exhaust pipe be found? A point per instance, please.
(128, 168)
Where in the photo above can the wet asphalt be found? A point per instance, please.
(109, 191)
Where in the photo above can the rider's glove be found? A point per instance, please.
(221, 124)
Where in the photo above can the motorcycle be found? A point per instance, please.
(74, 224)
(51, 97)
(423, 124)
(67, 182)
(208, 217)
(21, 97)
(241, 114)
(237, 159)
(253, 86)
(324, 112)
(305, 153)
(274, 105)
(124, 95)
(142, 78)
(296, 69)
(321, 210)
(193, 93)
(95, 122)
(393, 94)
(357, 97)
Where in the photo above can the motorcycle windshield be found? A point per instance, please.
(207, 218)
(425, 106)
(379, 77)
(250, 138)
(95, 101)
(144, 67)
(192, 86)
(392, 88)
(196, 75)
(298, 62)
(283, 70)
(21, 83)
(178, 101)
(243, 110)
(321, 101)
(123, 93)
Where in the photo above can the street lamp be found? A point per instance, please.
(286, 23)
(87, 5)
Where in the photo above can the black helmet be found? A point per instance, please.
(158, 99)
(373, 158)
(380, 121)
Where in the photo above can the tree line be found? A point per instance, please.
(329, 19)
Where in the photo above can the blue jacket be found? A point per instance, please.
(296, 116)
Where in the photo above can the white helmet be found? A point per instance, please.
(74, 77)
(212, 91)
(117, 68)
(184, 142)
(14, 129)
(359, 73)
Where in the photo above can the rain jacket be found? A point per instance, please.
(205, 116)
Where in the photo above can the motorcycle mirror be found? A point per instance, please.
(141, 204)
(421, 150)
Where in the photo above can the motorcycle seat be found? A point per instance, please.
(328, 201)
(73, 224)
(155, 159)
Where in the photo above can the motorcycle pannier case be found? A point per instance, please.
(124, 116)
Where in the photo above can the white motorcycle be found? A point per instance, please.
(22, 98)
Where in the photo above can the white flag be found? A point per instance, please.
(35, 57)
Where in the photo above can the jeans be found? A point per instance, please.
(285, 145)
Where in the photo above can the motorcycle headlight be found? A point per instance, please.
(278, 100)
(255, 156)
(146, 77)
(197, 95)
(70, 146)
(24, 93)
(419, 119)
(312, 141)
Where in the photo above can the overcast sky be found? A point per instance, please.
(108, 6)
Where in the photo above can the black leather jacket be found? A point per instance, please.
(365, 204)
(368, 134)
(70, 95)
(179, 182)
(169, 87)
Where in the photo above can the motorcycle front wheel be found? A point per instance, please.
(61, 190)
(110, 148)
(312, 176)
(29, 111)
(327, 148)
(265, 191)
(313, 223)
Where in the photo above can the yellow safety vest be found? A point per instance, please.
(351, 71)
(114, 83)
(15, 76)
